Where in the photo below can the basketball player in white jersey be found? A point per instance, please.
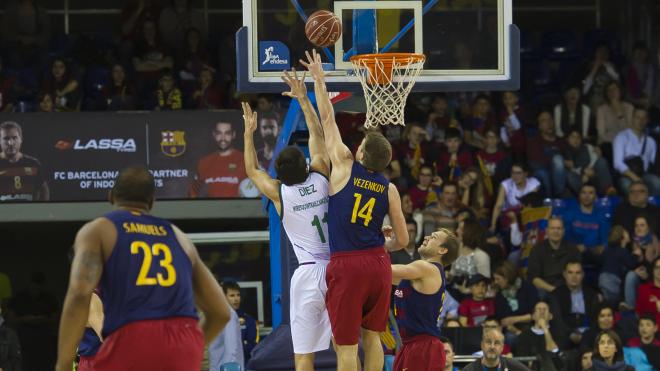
(300, 195)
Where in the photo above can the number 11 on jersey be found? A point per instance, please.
(317, 223)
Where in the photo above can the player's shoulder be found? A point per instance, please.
(30, 160)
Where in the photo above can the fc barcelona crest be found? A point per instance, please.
(173, 143)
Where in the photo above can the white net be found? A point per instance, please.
(387, 79)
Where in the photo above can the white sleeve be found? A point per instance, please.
(516, 235)
(618, 146)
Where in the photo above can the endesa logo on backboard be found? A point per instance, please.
(273, 56)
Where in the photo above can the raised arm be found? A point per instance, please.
(413, 271)
(266, 185)
(320, 160)
(400, 239)
(340, 155)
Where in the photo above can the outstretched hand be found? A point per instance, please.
(313, 64)
(250, 119)
(297, 85)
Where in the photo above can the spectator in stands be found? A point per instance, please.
(513, 126)
(645, 239)
(494, 163)
(608, 353)
(584, 163)
(119, 95)
(572, 113)
(6, 91)
(413, 152)
(648, 331)
(541, 339)
(471, 258)
(645, 244)
(492, 346)
(634, 153)
(601, 72)
(586, 359)
(640, 76)
(444, 212)
(481, 117)
(549, 258)
(618, 261)
(220, 172)
(453, 159)
(10, 347)
(573, 303)
(648, 294)
(249, 326)
(637, 203)
(227, 347)
(612, 117)
(133, 16)
(426, 191)
(544, 157)
(511, 190)
(492, 323)
(604, 319)
(168, 96)
(208, 94)
(474, 310)
(587, 226)
(178, 17)
(265, 103)
(449, 355)
(439, 118)
(269, 129)
(193, 57)
(471, 190)
(26, 32)
(62, 85)
(46, 103)
(409, 253)
(515, 298)
(150, 57)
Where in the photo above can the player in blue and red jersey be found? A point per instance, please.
(151, 277)
(359, 273)
(418, 302)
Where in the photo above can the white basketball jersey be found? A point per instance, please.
(304, 216)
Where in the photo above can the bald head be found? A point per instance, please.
(134, 185)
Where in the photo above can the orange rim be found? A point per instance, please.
(387, 60)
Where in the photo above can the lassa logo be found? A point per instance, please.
(115, 144)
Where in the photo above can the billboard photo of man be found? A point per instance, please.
(269, 130)
(22, 178)
(219, 174)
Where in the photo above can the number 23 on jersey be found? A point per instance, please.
(161, 251)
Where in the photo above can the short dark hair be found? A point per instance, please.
(410, 220)
(166, 72)
(648, 317)
(452, 245)
(521, 165)
(134, 184)
(491, 318)
(588, 184)
(9, 125)
(452, 133)
(474, 234)
(377, 152)
(448, 183)
(269, 115)
(572, 261)
(230, 285)
(291, 166)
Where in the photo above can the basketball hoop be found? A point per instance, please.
(387, 79)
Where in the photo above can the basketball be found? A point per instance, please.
(323, 28)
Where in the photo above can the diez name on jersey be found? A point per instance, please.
(117, 144)
(306, 191)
